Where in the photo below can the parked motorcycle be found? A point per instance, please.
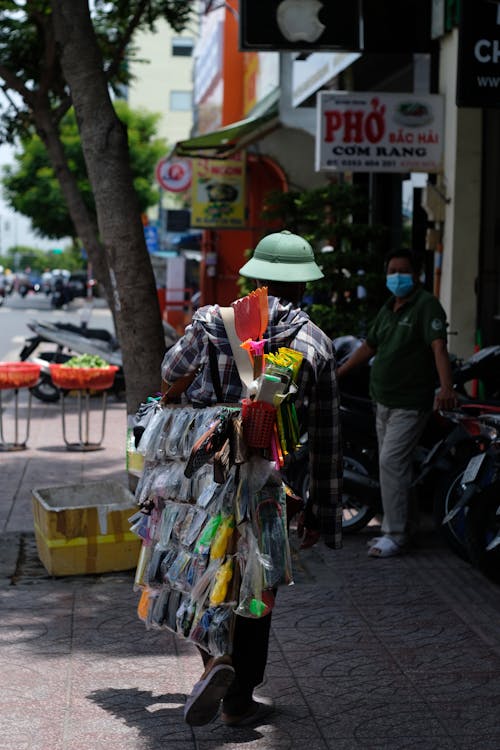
(474, 499)
(68, 340)
(444, 450)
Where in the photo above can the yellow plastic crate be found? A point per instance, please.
(82, 529)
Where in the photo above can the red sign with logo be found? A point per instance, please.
(174, 175)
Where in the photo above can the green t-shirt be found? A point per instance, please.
(403, 374)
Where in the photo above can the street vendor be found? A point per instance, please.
(283, 262)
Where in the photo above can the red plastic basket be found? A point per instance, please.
(18, 374)
(83, 378)
(258, 418)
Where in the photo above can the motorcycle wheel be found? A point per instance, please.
(482, 526)
(446, 495)
(45, 390)
(356, 514)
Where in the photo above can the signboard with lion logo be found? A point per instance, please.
(218, 193)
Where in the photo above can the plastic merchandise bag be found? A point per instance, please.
(269, 524)
(153, 573)
(144, 486)
(223, 499)
(142, 564)
(142, 417)
(195, 570)
(258, 472)
(219, 631)
(175, 444)
(253, 599)
(178, 522)
(139, 524)
(167, 562)
(190, 532)
(168, 517)
(185, 616)
(176, 575)
(151, 437)
(204, 491)
(165, 609)
(200, 591)
(170, 483)
(221, 583)
(152, 600)
(221, 539)
(211, 630)
(207, 534)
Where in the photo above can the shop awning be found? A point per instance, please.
(222, 143)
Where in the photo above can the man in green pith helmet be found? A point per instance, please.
(284, 262)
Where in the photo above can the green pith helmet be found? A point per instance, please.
(282, 256)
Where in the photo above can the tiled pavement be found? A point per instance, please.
(392, 654)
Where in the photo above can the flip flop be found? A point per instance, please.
(385, 546)
(203, 704)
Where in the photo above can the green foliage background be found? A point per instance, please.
(348, 248)
(32, 188)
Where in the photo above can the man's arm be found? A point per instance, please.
(446, 397)
(362, 354)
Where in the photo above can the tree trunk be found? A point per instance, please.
(105, 148)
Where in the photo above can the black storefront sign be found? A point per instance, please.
(478, 68)
(391, 26)
(295, 25)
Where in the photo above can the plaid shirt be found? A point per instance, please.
(317, 396)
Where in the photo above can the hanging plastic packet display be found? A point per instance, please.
(212, 518)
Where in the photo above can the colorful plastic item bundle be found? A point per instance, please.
(191, 561)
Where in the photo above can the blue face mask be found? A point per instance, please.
(399, 284)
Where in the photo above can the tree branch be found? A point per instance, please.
(15, 84)
(125, 40)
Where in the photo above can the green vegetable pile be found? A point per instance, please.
(86, 360)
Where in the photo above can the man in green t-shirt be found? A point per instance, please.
(408, 337)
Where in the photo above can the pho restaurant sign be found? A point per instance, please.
(478, 69)
(379, 132)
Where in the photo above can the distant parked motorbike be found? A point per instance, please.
(473, 501)
(68, 340)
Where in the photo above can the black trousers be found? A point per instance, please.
(249, 657)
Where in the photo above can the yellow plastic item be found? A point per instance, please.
(222, 578)
(81, 529)
(221, 539)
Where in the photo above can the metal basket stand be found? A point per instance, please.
(18, 444)
(83, 399)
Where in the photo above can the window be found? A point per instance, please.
(181, 101)
(182, 47)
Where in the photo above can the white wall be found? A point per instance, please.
(462, 185)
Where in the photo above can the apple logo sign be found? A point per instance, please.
(298, 20)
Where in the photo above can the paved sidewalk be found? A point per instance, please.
(392, 654)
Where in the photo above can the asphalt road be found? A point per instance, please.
(16, 312)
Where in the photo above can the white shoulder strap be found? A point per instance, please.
(241, 358)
